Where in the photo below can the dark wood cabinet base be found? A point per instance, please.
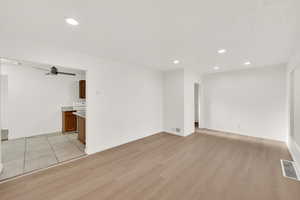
(69, 121)
(81, 129)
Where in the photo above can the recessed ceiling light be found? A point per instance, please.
(176, 62)
(216, 67)
(72, 22)
(247, 63)
(221, 51)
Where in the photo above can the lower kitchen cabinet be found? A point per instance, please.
(81, 129)
(69, 121)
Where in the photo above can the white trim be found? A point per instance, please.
(178, 134)
(294, 149)
(173, 133)
(242, 134)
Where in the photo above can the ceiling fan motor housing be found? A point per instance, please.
(54, 70)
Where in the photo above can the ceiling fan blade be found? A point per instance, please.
(40, 68)
(66, 73)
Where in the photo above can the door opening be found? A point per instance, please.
(197, 104)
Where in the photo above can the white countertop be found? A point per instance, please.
(71, 108)
(80, 114)
(67, 108)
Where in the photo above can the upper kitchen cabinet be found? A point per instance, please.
(82, 89)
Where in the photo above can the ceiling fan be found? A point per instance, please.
(54, 71)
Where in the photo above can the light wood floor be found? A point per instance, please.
(201, 166)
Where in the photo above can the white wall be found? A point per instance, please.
(296, 106)
(4, 101)
(1, 165)
(34, 100)
(125, 103)
(250, 102)
(118, 110)
(293, 116)
(196, 102)
(179, 107)
(190, 78)
(174, 101)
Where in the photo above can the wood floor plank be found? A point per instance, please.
(205, 165)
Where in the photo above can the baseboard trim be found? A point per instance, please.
(294, 150)
(238, 134)
(172, 133)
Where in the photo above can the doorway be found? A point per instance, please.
(197, 105)
(42, 116)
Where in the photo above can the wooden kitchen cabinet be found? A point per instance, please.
(81, 129)
(82, 89)
(69, 121)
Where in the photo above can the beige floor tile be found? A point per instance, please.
(39, 143)
(79, 145)
(35, 141)
(12, 168)
(40, 162)
(73, 136)
(62, 145)
(13, 144)
(58, 139)
(8, 156)
(38, 147)
(12, 148)
(30, 155)
(67, 152)
(69, 156)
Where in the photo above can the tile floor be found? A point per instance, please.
(27, 154)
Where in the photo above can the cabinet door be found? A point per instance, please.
(82, 89)
(69, 122)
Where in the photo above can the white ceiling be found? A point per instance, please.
(153, 33)
(35, 65)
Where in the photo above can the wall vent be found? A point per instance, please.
(289, 170)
